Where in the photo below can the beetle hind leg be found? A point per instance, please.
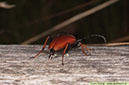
(43, 47)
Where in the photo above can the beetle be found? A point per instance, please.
(64, 41)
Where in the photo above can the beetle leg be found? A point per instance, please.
(85, 46)
(68, 48)
(46, 42)
(49, 58)
(64, 53)
(82, 45)
(43, 47)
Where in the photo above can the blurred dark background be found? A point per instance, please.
(32, 17)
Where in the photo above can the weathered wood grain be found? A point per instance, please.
(104, 64)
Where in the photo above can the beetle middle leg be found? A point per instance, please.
(66, 47)
(43, 46)
(50, 56)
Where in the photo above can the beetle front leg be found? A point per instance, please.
(85, 47)
(82, 45)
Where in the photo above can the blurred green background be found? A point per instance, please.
(32, 17)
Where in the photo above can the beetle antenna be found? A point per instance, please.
(94, 35)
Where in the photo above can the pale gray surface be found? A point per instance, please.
(104, 64)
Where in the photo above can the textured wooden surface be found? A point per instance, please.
(104, 64)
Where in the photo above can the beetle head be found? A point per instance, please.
(76, 44)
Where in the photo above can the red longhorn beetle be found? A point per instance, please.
(63, 42)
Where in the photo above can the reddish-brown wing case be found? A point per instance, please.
(61, 41)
